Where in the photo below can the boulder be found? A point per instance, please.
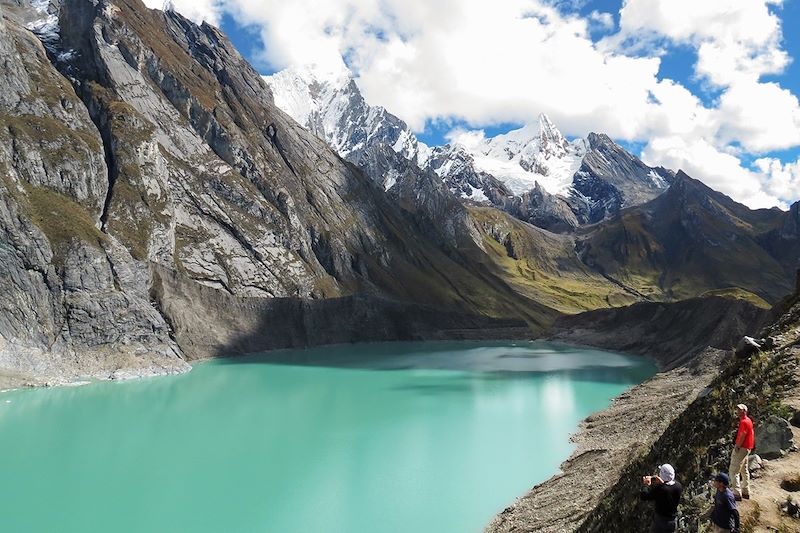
(754, 462)
(791, 507)
(773, 437)
(747, 346)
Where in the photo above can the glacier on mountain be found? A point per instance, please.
(328, 102)
(533, 172)
(522, 157)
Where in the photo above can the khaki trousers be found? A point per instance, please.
(717, 529)
(739, 471)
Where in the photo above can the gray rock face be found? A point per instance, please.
(71, 304)
(135, 142)
(211, 323)
(610, 179)
(456, 167)
(773, 437)
(671, 333)
(754, 462)
(549, 211)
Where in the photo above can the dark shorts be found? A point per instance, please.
(663, 524)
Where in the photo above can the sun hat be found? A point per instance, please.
(667, 474)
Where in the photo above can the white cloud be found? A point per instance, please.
(717, 169)
(782, 179)
(725, 63)
(487, 63)
(471, 60)
(760, 116)
(737, 42)
(469, 139)
(748, 21)
(603, 21)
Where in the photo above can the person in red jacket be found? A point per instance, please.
(744, 442)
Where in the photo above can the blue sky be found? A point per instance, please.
(707, 86)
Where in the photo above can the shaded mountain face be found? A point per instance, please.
(692, 239)
(610, 179)
(134, 142)
(783, 240)
(533, 173)
(671, 333)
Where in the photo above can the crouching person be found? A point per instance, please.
(665, 492)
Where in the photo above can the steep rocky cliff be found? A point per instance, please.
(670, 333)
(611, 179)
(72, 295)
(135, 140)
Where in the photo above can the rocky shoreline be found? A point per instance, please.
(139, 368)
(606, 442)
(690, 341)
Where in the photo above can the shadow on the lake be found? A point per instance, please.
(436, 388)
(478, 361)
(589, 375)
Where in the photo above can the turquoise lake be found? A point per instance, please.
(376, 438)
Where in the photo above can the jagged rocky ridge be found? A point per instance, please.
(533, 173)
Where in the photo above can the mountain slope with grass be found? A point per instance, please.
(690, 240)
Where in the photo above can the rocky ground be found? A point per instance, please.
(605, 443)
(699, 440)
(766, 511)
(682, 415)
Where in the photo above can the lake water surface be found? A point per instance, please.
(377, 438)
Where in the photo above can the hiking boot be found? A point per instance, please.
(737, 498)
(745, 496)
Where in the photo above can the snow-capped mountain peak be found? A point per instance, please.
(328, 102)
(536, 152)
(549, 134)
(533, 172)
(310, 93)
(540, 134)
